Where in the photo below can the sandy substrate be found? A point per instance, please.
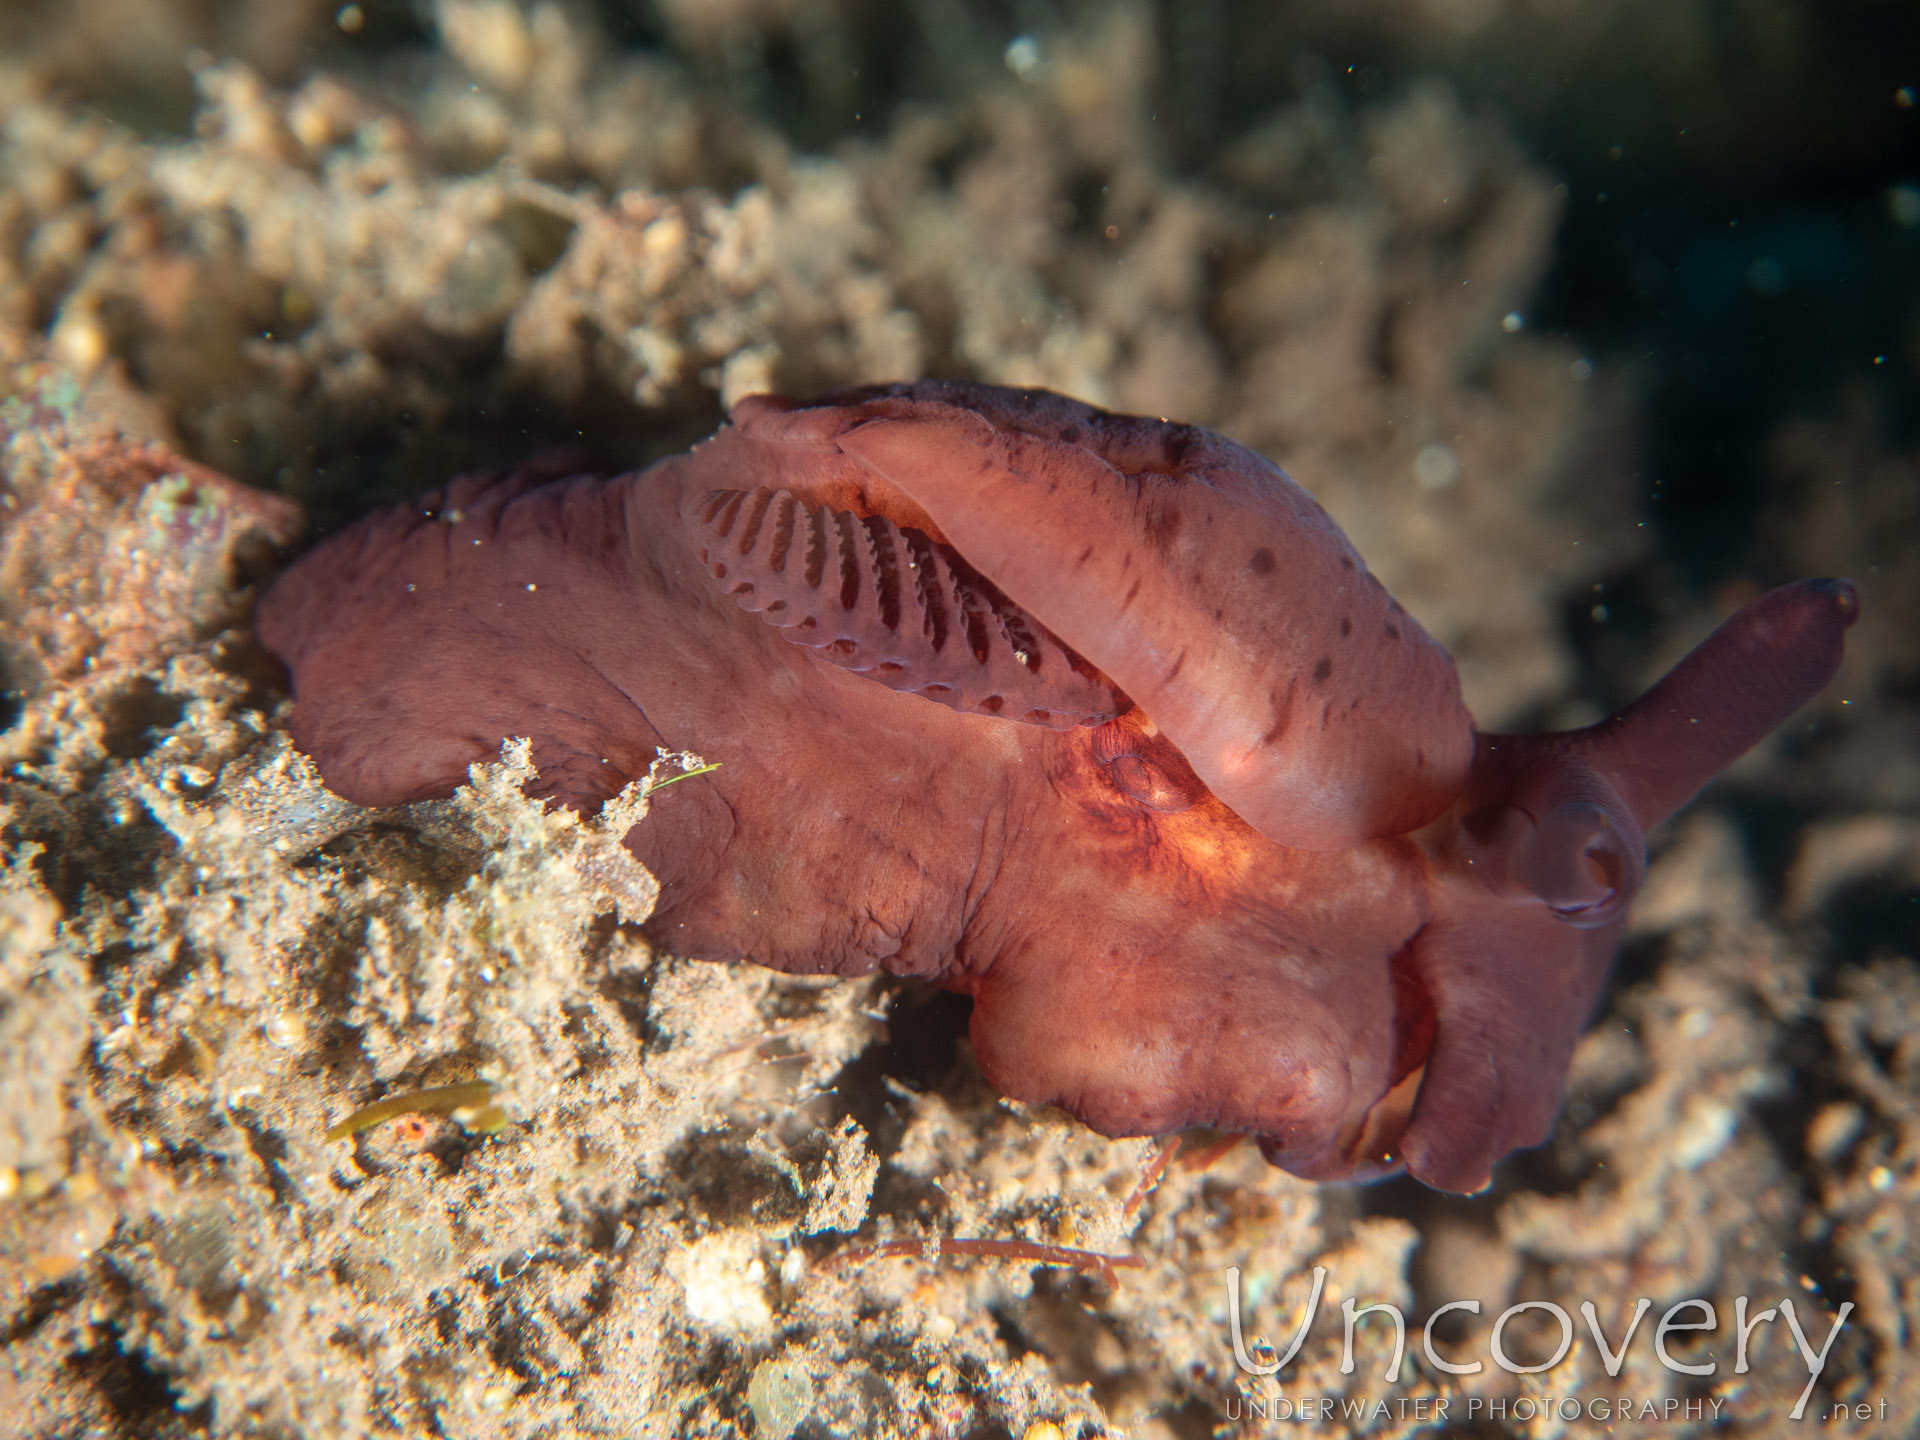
(344, 288)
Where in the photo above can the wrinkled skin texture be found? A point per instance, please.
(1097, 719)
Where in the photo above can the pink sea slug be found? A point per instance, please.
(1097, 719)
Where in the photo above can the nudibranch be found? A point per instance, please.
(1097, 719)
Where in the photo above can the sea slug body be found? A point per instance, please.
(1095, 718)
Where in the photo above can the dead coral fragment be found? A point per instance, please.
(527, 840)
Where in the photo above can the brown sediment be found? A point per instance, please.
(202, 951)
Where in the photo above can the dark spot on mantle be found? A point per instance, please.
(1261, 561)
(1346, 627)
(1164, 527)
(1282, 715)
(1323, 670)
